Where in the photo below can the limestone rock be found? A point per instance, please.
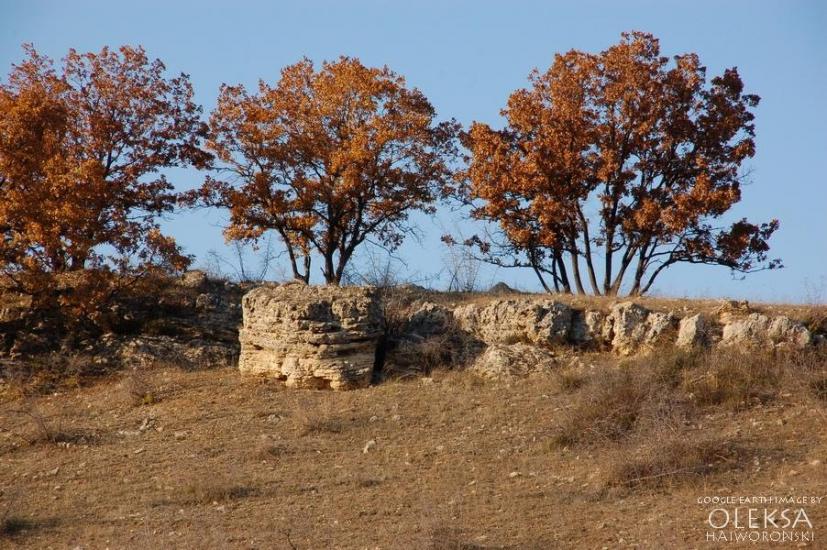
(426, 320)
(194, 279)
(632, 326)
(510, 321)
(504, 361)
(310, 337)
(761, 330)
(658, 327)
(587, 327)
(693, 331)
(148, 351)
(628, 327)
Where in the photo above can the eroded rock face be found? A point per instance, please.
(310, 337)
(760, 330)
(500, 361)
(511, 321)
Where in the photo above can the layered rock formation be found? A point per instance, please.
(327, 337)
(310, 336)
(510, 321)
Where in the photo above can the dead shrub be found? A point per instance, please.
(213, 492)
(47, 373)
(319, 418)
(139, 389)
(445, 538)
(569, 379)
(12, 524)
(666, 459)
(38, 428)
(736, 379)
(819, 387)
(418, 341)
(606, 409)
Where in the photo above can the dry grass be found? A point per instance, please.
(33, 427)
(139, 389)
(674, 386)
(457, 462)
(672, 458)
(210, 491)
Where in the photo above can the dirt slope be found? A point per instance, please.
(174, 459)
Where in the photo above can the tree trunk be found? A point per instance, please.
(575, 268)
(561, 268)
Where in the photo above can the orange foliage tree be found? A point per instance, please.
(80, 152)
(327, 159)
(621, 154)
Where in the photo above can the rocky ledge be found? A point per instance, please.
(328, 337)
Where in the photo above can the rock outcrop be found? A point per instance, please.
(310, 336)
(761, 330)
(693, 331)
(511, 321)
(588, 328)
(505, 361)
(633, 327)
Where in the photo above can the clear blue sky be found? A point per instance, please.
(468, 56)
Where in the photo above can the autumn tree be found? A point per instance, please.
(621, 154)
(327, 159)
(81, 150)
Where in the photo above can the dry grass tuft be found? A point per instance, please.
(139, 389)
(11, 525)
(569, 379)
(607, 408)
(735, 379)
(444, 538)
(213, 492)
(38, 428)
(672, 458)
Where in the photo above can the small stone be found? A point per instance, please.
(179, 435)
(373, 418)
(368, 446)
(815, 463)
(138, 451)
(54, 472)
(514, 474)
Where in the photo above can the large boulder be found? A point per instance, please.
(511, 321)
(506, 361)
(310, 336)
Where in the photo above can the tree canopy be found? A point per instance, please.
(82, 147)
(624, 153)
(328, 159)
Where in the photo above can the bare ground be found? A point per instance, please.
(174, 459)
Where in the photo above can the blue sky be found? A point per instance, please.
(467, 57)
